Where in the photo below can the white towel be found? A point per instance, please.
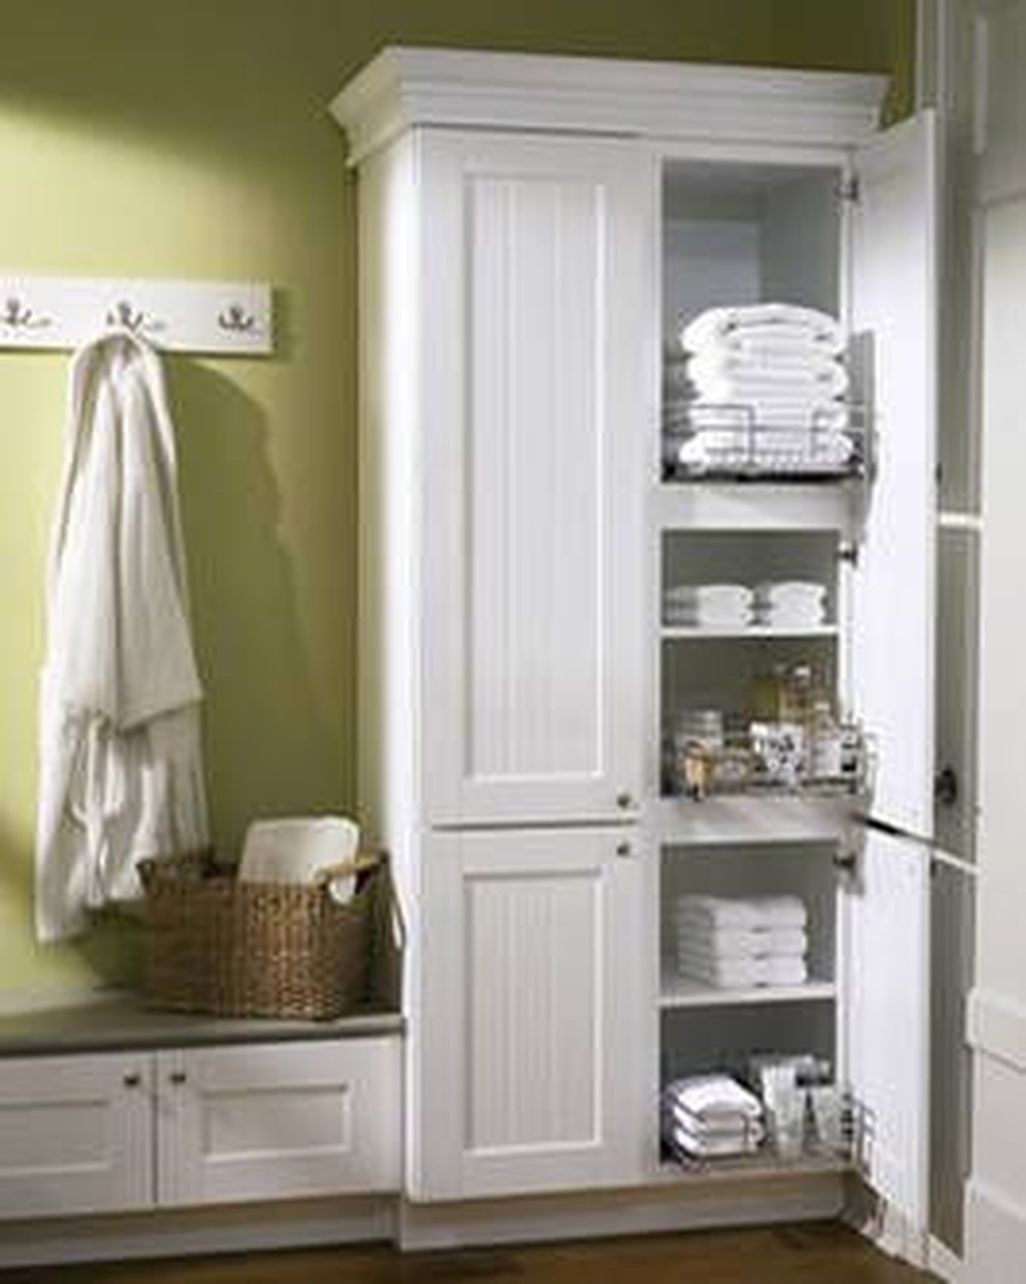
(702, 938)
(297, 849)
(749, 913)
(711, 1097)
(784, 319)
(705, 1147)
(789, 593)
(758, 382)
(736, 1127)
(742, 973)
(121, 773)
(780, 452)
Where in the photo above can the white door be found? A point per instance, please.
(75, 1134)
(276, 1121)
(996, 1197)
(537, 318)
(885, 1054)
(530, 1017)
(893, 306)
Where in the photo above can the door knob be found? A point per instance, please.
(624, 800)
(623, 849)
(132, 1080)
(177, 1077)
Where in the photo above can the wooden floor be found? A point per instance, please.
(814, 1254)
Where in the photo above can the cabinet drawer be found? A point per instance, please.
(75, 1134)
(276, 1121)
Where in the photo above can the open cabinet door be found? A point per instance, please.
(893, 308)
(886, 1031)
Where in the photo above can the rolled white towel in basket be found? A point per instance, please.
(297, 849)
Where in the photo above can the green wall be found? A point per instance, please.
(189, 138)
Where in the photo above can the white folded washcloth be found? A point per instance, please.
(725, 943)
(297, 849)
(810, 417)
(766, 342)
(725, 619)
(716, 324)
(710, 594)
(712, 1097)
(751, 912)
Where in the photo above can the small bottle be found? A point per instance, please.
(825, 747)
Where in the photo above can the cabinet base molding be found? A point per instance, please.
(885, 1226)
(625, 1212)
(191, 1232)
(948, 1265)
(995, 1231)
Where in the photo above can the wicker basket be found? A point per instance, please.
(213, 944)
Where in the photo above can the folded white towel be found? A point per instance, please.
(787, 618)
(748, 381)
(762, 342)
(715, 324)
(737, 1126)
(724, 619)
(742, 973)
(750, 913)
(711, 1097)
(781, 452)
(809, 416)
(297, 849)
(789, 592)
(710, 594)
(702, 938)
(684, 1141)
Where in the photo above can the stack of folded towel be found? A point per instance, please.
(734, 944)
(769, 382)
(790, 604)
(708, 606)
(710, 1115)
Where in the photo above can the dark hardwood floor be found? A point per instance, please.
(809, 1254)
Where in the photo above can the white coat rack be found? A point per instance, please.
(221, 317)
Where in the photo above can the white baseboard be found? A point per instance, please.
(183, 1233)
(943, 1262)
(995, 1235)
(884, 1225)
(655, 1209)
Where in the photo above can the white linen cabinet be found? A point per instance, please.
(532, 230)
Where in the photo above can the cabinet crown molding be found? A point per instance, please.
(404, 87)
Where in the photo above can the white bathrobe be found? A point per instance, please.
(121, 773)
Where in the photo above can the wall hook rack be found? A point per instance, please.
(16, 315)
(134, 319)
(236, 318)
(216, 317)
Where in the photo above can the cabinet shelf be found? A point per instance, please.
(749, 819)
(738, 506)
(684, 992)
(763, 1165)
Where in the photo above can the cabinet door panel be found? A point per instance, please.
(886, 1018)
(894, 301)
(274, 1121)
(528, 1062)
(75, 1135)
(533, 439)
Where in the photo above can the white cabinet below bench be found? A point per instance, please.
(111, 1132)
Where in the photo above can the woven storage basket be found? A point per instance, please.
(213, 944)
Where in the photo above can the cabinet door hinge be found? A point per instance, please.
(849, 188)
(848, 553)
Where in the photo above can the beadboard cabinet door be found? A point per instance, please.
(529, 1069)
(536, 380)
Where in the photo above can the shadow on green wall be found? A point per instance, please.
(267, 727)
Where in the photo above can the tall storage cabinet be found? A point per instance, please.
(532, 232)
